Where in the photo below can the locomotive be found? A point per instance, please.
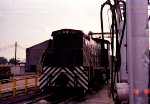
(74, 60)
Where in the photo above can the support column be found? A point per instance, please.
(138, 40)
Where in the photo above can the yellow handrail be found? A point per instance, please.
(26, 85)
(87, 61)
(36, 81)
(42, 57)
(14, 87)
(92, 63)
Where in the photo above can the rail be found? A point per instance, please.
(12, 86)
(87, 62)
(92, 63)
(40, 64)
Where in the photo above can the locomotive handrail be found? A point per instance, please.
(92, 63)
(87, 61)
(41, 61)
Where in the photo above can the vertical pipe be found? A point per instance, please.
(137, 25)
(129, 51)
(123, 70)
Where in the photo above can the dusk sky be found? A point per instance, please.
(30, 22)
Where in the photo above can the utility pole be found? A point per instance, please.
(15, 53)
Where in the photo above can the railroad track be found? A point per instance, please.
(35, 99)
(19, 99)
(53, 99)
(59, 97)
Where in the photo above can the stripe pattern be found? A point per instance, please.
(76, 75)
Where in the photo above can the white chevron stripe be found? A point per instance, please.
(69, 71)
(85, 76)
(71, 84)
(41, 86)
(83, 79)
(43, 81)
(86, 87)
(45, 73)
(44, 68)
(52, 70)
(70, 77)
(55, 76)
(81, 67)
(46, 76)
(56, 70)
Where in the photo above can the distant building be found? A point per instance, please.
(33, 55)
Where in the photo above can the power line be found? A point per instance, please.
(7, 47)
(21, 47)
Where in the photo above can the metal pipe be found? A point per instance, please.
(129, 51)
(123, 70)
(137, 25)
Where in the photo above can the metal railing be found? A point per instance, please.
(12, 86)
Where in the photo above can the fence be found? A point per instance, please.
(18, 85)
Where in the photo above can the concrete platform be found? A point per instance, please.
(97, 97)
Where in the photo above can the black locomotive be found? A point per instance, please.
(74, 60)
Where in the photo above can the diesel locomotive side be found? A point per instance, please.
(75, 60)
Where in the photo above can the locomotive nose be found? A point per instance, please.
(62, 80)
